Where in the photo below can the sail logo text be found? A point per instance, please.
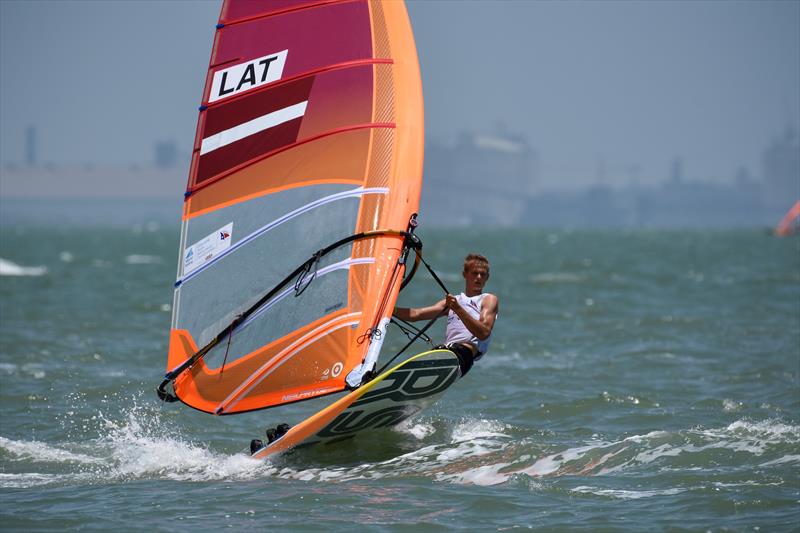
(245, 76)
(203, 251)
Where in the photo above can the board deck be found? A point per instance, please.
(396, 395)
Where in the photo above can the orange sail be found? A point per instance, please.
(790, 222)
(306, 169)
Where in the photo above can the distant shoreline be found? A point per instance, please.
(90, 211)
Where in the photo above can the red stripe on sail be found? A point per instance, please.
(257, 104)
(229, 156)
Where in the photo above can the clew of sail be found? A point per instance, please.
(306, 169)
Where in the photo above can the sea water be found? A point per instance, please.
(638, 380)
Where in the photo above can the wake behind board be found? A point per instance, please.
(396, 395)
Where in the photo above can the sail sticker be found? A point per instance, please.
(248, 75)
(207, 248)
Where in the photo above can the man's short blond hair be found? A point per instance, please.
(475, 259)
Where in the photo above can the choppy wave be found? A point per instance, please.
(136, 447)
(469, 451)
(9, 268)
(40, 452)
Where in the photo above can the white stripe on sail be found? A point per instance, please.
(280, 220)
(283, 356)
(251, 127)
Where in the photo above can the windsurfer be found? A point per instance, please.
(470, 315)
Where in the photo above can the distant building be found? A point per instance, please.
(482, 179)
(676, 170)
(166, 154)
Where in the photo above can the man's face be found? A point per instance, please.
(476, 276)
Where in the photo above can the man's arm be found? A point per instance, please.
(413, 314)
(481, 328)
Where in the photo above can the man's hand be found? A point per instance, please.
(451, 302)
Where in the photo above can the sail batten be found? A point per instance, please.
(306, 169)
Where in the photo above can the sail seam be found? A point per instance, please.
(280, 220)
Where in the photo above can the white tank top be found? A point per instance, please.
(458, 332)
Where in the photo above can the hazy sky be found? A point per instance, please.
(632, 84)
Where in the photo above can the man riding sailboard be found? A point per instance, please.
(470, 315)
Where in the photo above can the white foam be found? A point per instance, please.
(478, 453)
(782, 460)
(173, 459)
(646, 436)
(748, 436)
(769, 428)
(729, 405)
(141, 259)
(470, 429)
(557, 277)
(8, 268)
(555, 464)
(417, 429)
(486, 475)
(138, 445)
(34, 369)
(44, 453)
(664, 450)
(596, 457)
(135, 447)
(28, 480)
(627, 494)
(138, 453)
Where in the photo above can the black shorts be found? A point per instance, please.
(464, 354)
